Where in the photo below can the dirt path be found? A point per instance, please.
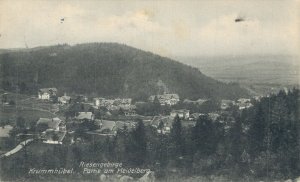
(17, 148)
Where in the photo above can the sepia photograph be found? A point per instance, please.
(149, 90)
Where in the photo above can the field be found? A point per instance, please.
(28, 107)
(269, 69)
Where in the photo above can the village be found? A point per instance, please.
(73, 118)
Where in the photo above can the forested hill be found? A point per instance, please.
(107, 69)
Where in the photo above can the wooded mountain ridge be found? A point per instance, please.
(107, 69)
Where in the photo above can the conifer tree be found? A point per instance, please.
(138, 144)
(176, 138)
(257, 131)
(203, 136)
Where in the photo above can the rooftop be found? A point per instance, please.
(84, 115)
(167, 120)
(47, 90)
(52, 123)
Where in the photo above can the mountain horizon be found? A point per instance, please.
(107, 69)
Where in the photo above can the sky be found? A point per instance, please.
(168, 28)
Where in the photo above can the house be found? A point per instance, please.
(46, 93)
(111, 127)
(129, 110)
(53, 137)
(85, 115)
(113, 104)
(121, 125)
(81, 98)
(64, 99)
(140, 103)
(52, 123)
(97, 101)
(243, 100)
(225, 104)
(244, 103)
(182, 113)
(163, 124)
(107, 126)
(213, 116)
(123, 101)
(4, 131)
(257, 98)
(165, 99)
(102, 102)
(55, 131)
(130, 113)
(126, 105)
(198, 102)
(116, 105)
(195, 116)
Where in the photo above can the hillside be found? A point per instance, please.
(107, 69)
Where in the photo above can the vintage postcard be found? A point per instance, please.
(150, 91)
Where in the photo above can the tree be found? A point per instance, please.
(236, 135)
(138, 144)
(121, 145)
(23, 87)
(41, 127)
(160, 125)
(55, 137)
(203, 135)
(20, 122)
(73, 109)
(156, 106)
(257, 131)
(121, 112)
(4, 98)
(91, 109)
(54, 99)
(176, 138)
(12, 102)
(32, 125)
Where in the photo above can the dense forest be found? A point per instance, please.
(262, 143)
(107, 69)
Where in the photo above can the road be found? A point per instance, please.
(17, 148)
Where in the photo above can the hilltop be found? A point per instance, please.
(107, 69)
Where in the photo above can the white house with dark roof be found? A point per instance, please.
(46, 93)
(103, 102)
(165, 99)
(182, 113)
(64, 99)
(244, 103)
